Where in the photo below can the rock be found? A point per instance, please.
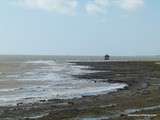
(19, 104)
(71, 103)
(145, 85)
(111, 105)
(124, 115)
(126, 88)
(145, 92)
(42, 101)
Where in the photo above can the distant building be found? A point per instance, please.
(106, 57)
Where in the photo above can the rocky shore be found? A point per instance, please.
(140, 100)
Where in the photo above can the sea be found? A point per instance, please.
(32, 78)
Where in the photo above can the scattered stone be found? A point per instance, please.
(42, 101)
(145, 85)
(20, 104)
(124, 115)
(111, 105)
(145, 92)
(71, 103)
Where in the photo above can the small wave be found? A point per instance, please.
(12, 76)
(29, 73)
(46, 62)
(7, 90)
(80, 70)
(59, 82)
(66, 89)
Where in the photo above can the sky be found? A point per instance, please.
(80, 27)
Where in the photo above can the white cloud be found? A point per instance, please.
(70, 6)
(101, 6)
(97, 6)
(59, 6)
(131, 4)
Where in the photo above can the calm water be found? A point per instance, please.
(32, 78)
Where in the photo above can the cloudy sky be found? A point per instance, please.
(80, 27)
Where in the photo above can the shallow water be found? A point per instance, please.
(31, 78)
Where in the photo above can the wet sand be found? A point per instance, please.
(141, 96)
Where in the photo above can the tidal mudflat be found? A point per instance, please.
(141, 96)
